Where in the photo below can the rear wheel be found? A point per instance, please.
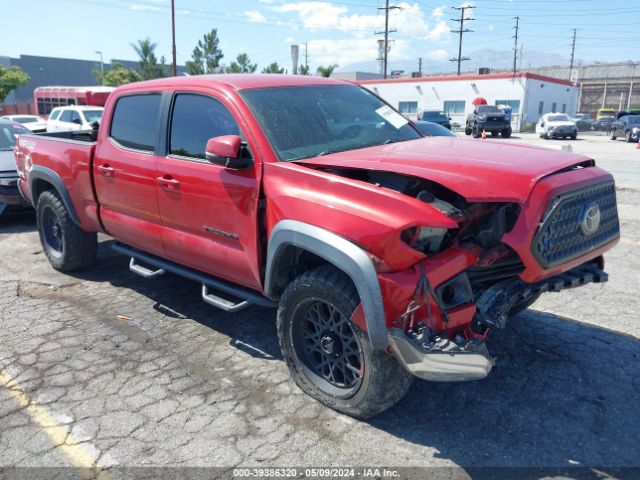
(612, 134)
(467, 130)
(574, 136)
(65, 245)
(329, 357)
(506, 133)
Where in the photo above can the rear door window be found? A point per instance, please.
(134, 122)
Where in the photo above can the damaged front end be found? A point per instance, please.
(471, 280)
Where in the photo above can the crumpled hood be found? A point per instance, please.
(477, 170)
(7, 161)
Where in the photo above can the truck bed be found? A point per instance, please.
(62, 161)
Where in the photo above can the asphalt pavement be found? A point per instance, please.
(105, 370)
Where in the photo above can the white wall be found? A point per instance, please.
(549, 93)
(432, 95)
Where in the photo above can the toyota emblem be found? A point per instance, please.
(590, 221)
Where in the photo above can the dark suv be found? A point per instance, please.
(490, 119)
(435, 116)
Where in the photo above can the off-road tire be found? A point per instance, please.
(467, 130)
(506, 133)
(384, 381)
(78, 249)
(612, 135)
(475, 132)
(627, 136)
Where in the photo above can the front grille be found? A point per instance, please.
(566, 234)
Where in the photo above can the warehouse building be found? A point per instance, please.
(529, 95)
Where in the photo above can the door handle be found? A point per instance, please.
(106, 170)
(168, 182)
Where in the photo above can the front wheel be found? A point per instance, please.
(627, 136)
(506, 133)
(612, 135)
(65, 245)
(329, 357)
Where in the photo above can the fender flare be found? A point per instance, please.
(342, 253)
(38, 172)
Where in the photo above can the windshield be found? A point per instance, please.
(302, 122)
(92, 115)
(559, 118)
(8, 132)
(489, 109)
(26, 119)
(434, 116)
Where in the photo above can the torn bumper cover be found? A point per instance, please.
(441, 360)
(495, 303)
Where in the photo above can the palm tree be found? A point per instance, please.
(326, 71)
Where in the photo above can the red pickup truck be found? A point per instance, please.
(389, 256)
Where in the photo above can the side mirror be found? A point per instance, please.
(225, 151)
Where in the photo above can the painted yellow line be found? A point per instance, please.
(78, 454)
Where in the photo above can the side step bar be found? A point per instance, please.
(247, 296)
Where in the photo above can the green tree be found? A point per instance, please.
(326, 71)
(149, 66)
(242, 65)
(10, 79)
(206, 55)
(118, 75)
(273, 68)
(303, 70)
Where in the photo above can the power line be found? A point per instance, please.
(462, 30)
(386, 33)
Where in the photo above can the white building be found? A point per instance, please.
(529, 95)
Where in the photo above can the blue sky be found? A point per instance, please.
(339, 32)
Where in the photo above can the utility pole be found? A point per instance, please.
(573, 51)
(462, 30)
(306, 56)
(173, 38)
(420, 66)
(633, 74)
(386, 33)
(515, 47)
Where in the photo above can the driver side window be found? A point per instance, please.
(195, 119)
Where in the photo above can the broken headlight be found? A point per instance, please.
(425, 239)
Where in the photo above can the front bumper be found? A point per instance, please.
(562, 132)
(493, 126)
(441, 360)
(438, 359)
(9, 194)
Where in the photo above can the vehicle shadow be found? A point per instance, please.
(19, 222)
(563, 395)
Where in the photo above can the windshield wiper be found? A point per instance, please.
(392, 140)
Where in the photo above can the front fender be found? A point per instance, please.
(342, 253)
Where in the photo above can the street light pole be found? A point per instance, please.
(99, 52)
